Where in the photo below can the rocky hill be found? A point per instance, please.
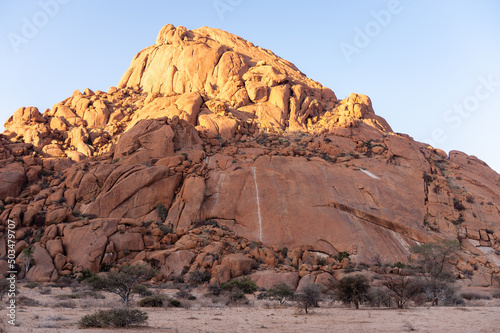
(214, 155)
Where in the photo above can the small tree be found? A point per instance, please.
(309, 297)
(123, 281)
(402, 289)
(433, 261)
(280, 293)
(352, 290)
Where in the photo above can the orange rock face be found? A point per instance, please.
(214, 156)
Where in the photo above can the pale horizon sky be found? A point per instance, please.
(431, 69)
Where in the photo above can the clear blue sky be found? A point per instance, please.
(425, 65)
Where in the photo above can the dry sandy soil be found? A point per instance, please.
(203, 316)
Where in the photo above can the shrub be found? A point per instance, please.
(175, 303)
(141, 290)
(85, 275)
(245, 284)
(162, 211)
(236, 296)
(496, 294)
(280, 293)
(352, 290)
(31, 285)
(459, 220)
(378, 297)
(341, 256)
(154, 301)
(214, 290)
(115, 317)
(79, 295)
(166, 229)
(198, 277)
(458, 205)
(91, 320)
(45, 291)
(309, 297)
(450, 296)
(23, 300)
(399, 264)
(402, 289)
(185, 294)
(65, 305)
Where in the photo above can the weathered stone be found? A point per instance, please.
(177, 262)
(84, 245)
(54, 247)
(238, 264)
(11, 180)
(43, 269)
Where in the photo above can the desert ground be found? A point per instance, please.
(53, 315)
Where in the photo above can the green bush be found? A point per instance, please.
(341, 256)
(236, 296)
(86, 275)
(91, 320)
(141, 290)
(80, 295)
(175, 303)
(198, 277)
(154, 301)
(399, 264)
(245, 284)
(352, 290)
(23, 300)
(31, 285)
(162, 211)
(115, 317)
(280, 293)
(166, 229)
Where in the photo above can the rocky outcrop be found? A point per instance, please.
(216, 157)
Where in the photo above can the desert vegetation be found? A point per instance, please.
(125, 296)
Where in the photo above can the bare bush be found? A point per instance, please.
(402, 289)
(309, 297)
